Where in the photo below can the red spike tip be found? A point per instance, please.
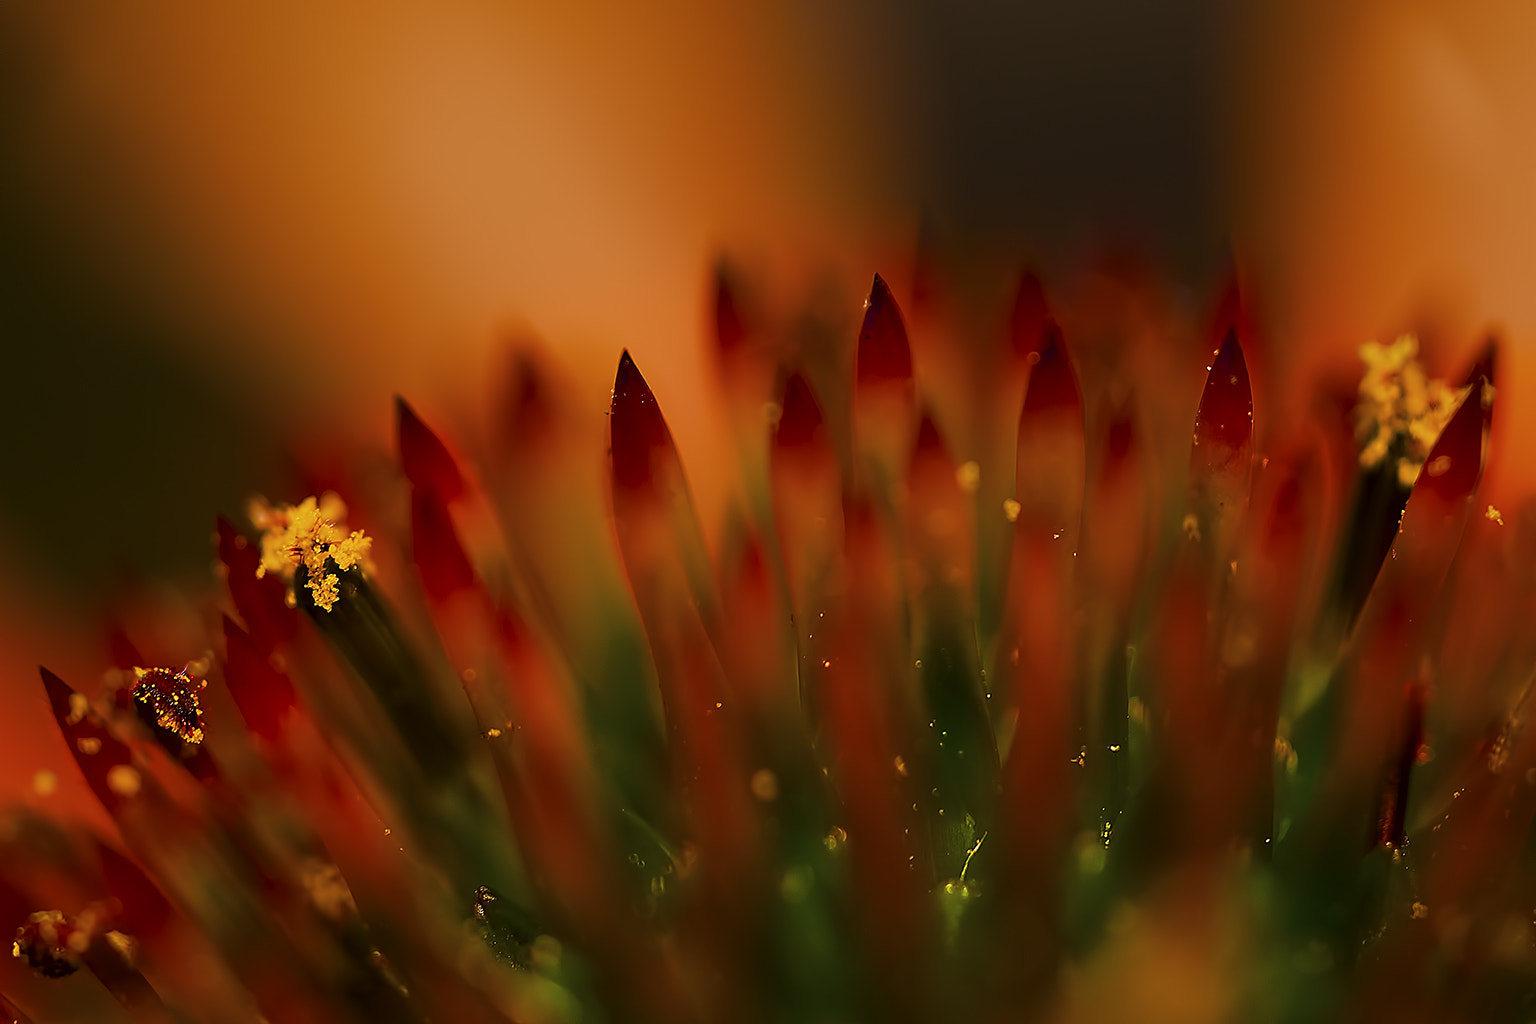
(883, 354)
(1224, 424)
(424, 457)
(637, 430)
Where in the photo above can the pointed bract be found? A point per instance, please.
(883, 354)
(1224, 423)
(423, 457)
(637, 431)
(1455, 464)
(104, 760)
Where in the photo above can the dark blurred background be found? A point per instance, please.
(182, 191)
(225, 233)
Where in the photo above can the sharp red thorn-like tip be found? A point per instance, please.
(800, 419)
(424, 457)
(1031, 312)
(58, 693)
(96, 751)
(1455, 463)
(883, 353)
(1052, 382)
(637, 430)
(1225, 418)
(730, 331)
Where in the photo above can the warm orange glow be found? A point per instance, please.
(1390, 154)
(360, 200)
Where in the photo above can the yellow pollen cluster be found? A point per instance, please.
(1401, 410)
(172, 698)
(309, 534)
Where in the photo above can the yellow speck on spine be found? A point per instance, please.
(312, 534)
(1493, 515)
(123, 779)
(968, 476)
(1011, 510)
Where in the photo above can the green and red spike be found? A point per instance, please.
(659, 543)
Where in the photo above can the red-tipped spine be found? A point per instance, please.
(883, 401)
(884, 354)
(1221, 455)
(423, 456)
(659, 542)
(1036, 665)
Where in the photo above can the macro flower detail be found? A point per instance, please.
(1219, 697)
(168, 700)
(1401, 409)
(49, 944)
(307, 537)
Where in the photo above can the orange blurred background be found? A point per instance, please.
(224, 232)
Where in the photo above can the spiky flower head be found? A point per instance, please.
(1148, 708)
